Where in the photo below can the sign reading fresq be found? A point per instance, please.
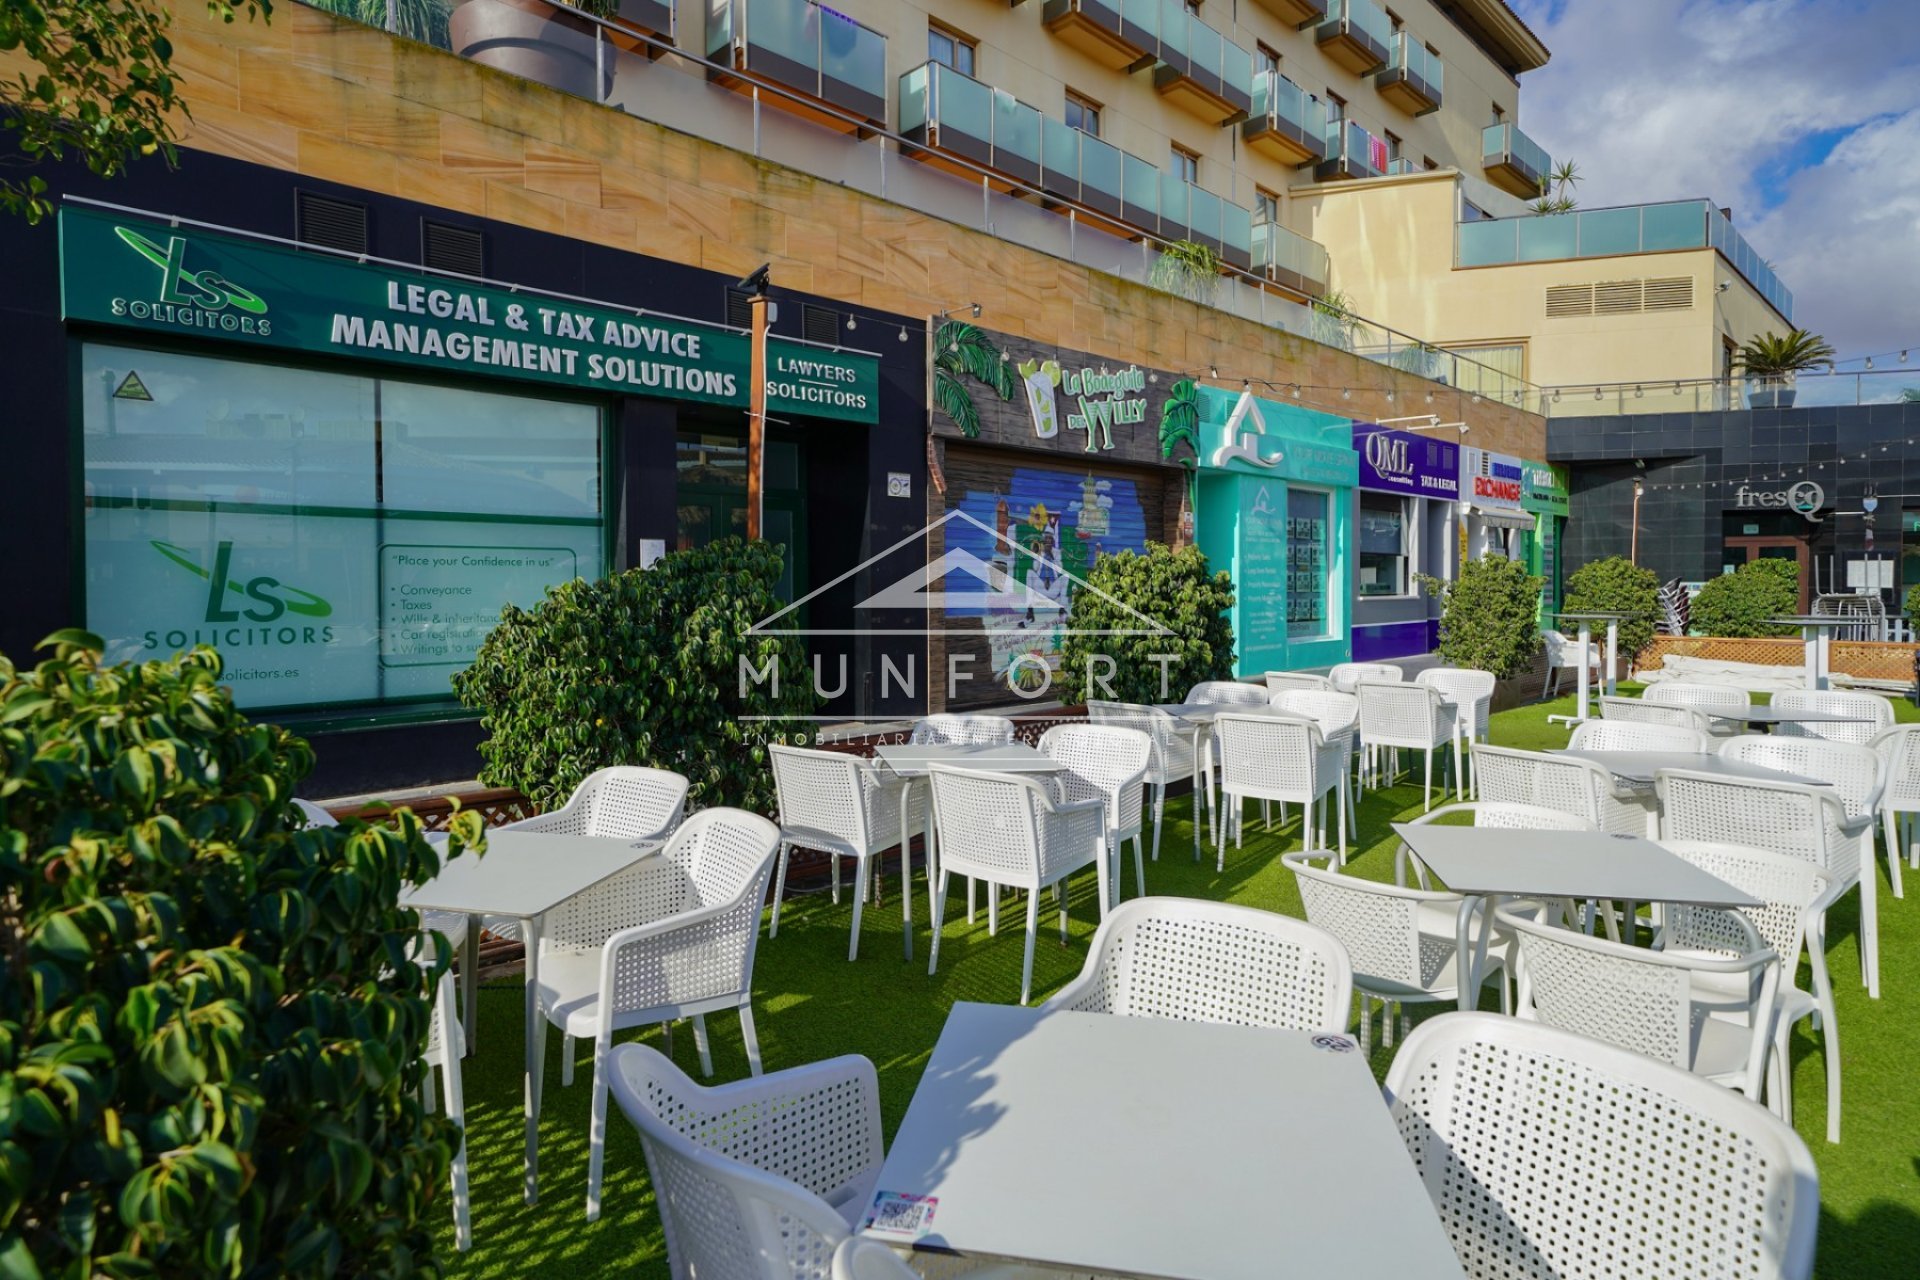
(186, 283)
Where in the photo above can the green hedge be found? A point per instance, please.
(1615, 585)
(1738, 603)
(1489, 616)
(1175, 589)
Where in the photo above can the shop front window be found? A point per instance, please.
(1307, 614)
(1385, 545)
(340, 539)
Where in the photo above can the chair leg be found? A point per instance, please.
(1426, 784)
(1893, 856)
(1227, 800)
(699, 1044)
(1139, 865)
(1346, 799)
(939, 919)
(1870, 926)
(597, 1129)
(779, 890)
(457, 1112)
(749, 1037)
(993, 910)
(1366, 1025)
(970, 900)
(1306, 823)
(833, 860)
(566, 1061)
(1033, 928)
(1159, 808)
(861, 875)
(1060, 902)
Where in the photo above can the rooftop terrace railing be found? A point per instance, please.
(1900, 385)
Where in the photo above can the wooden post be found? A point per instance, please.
(756, 413)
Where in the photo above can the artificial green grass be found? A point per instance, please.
(810, 1003)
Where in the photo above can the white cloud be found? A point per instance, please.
(1663, 99)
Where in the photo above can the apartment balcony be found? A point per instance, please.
(804, 47)
(1413, 78)
(1200, 70)
(1290, 259)
(1295, 13)
(1514, 162)
(1401, 166)
(1113, 34)
(958, 118)
(1356, 34)
(1352, 152)
(1188, 212)
(1287, 124)
(1076, 166)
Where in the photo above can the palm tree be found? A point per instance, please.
(1556, 190)
(1332, 320)
(960, 348)
(1771, 357)
(1180, 421)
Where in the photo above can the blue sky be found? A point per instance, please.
(1803, 115)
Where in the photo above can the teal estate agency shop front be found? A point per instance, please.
(1276, 500)
(339, 473)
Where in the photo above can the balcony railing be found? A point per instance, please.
(1414, 78)
(1114, 33)
(958, 115)
(1188, 212)
(1075, 165)
(1613, 232)
(1516, 163)
(1287, 123)
(804, 46)
(1201, 69)
(1401, 165)
(1352, 152)
(1714, 395)
(1356, 34)
(1295, 13)
(1290, 259)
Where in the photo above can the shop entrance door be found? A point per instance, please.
(1740, 551)
(711, 496)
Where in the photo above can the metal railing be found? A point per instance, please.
(1900, 385)
(1417, 65)
(1505, 144)
(798, 41)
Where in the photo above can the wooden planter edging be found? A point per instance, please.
(1863, 659)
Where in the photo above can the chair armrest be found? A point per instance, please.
(1085, 994)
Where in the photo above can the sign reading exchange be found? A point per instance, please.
(146, 275)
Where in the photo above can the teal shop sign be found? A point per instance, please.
(148, 276)
(1543, 488)
(1265, 437)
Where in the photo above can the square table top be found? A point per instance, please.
(1086, 1141)
(911, 759)
(1641, 766)
(1564, 864)
(1207, 712)
(1778, 715)
(526, 873)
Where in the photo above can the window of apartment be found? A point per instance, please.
(1193, 6)
(1393, 145)
(1393, 20)
(950, 48)
(1386, 545)
(1266, 205)
(1083, 113)
(1427, 162)
(1496, 368)
(1336, 108)
(1266, 58)
(1499, 115)
(1186, 164)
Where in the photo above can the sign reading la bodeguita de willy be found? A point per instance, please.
(145, 275)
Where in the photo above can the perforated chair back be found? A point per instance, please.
(1377, 923)
(1005, 828)
(1638, 711)
(1229, 693)
(1281, 681)
(965, 731)
(1787, 817)
(627, 802)
(1395, 714)
(1265, 759)
(1648, 1161)
(1855, 773)
(1337, 714)
(1636, 734)
(1791, 891)
(1104, 761)
(1899, 751)
(835, 795)
(1173, 741)
(1709, 699)
(1193, 961)
(1470, 690)
(1875, 711)
(750, 1178)
(1566, 783)
(1345, 675)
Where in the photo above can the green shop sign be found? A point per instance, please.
(1543, 488)
(148, 276)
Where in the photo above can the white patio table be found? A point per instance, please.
(1491, 863)
(1053, 1138)
(1640, 767)
(524, 875)
(1770, 716)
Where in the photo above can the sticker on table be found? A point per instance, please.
(1332, 1042)
(902, 1216)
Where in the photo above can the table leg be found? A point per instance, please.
(1103, 869)
(906, 881)
(1613, 654)
(1586, 657)
(470, 980)
(530, 931)
(1823, 658)
(1463, 955)
(1811, 648)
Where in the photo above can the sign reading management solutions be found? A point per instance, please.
(144, 275)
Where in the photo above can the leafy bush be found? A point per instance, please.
(1175, 590)
(1911, 605)
(1487, 616)
(1615, 585)
(211, 1019)
(644, 667)
(1739, 603)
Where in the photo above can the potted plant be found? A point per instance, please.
(1332, 322)
(550, 43)
(1772, 359)
(422, 20)
(1188, 269)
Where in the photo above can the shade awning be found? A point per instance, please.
(1503, 518)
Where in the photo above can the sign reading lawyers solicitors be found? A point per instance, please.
(1402, 462)
(149, 276)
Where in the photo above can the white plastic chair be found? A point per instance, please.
(947, 728)
(1413, 716)
(1401, 941)
(1338, 715)
(1638, 711)
(761, 1179)
(445, 1048)
(1471, 693)
(1345, 675)
(1564, 655)
(846, 807)
(1647, 1001)
(1632, 734)
(1284, 760)
(1192, 961)
(1107, 763)
(1005, 829)
(1229, 693)
(1506, 815)
(1723, 705)
(1794, 894)
(1876, 713)
(1283, 681)
(1550, 1154)
(672, 938)
(1899, 750)
(1175, 756)
(1566, 783)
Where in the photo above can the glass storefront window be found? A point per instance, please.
(341, 539)
(1307, 613)
(1385, 547)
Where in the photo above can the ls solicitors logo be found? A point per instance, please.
(230, 599)
(202, 299)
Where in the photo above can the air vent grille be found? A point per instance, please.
(1674, 294)
(328, 223)
(449, 248)
(820, 324)
(1616, 298)
(1569, 300)
(1620, 297)
(739, 309)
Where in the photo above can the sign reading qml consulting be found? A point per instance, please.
(149, 276)
(1402, 462)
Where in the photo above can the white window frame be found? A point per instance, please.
(1410, 520)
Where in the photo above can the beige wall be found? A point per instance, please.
(1391, 242)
